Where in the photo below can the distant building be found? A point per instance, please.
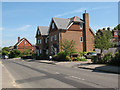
(116, 37)
(42, 40)
(23, 44)
(74, 28)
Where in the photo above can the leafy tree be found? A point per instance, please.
(14, 53)
(103, 41)
(5, 51)
(68, 46)
(117, 27)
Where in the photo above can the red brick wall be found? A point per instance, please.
(74, 33)
(22, 46)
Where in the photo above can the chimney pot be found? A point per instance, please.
(18, 39)
(85, 11)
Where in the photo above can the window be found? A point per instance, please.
(45, 40)
(55, 37)
(25, 42)
(40, 41)
(51, 38)
(115, 33)
(55, 50)
(53, 25)
(81, 25)
(38, 32)
(47, 51)
(40, 51)
(81, 39)
(52, 49)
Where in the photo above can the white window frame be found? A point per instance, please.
(40, 41)
(47, 51)
(40, 51)
(53, 25)
(81, 25)
(51, 38)
(81, 39)
(25, 42)
(55, 49)
(116, 33)
(55, 37)
(45, 40)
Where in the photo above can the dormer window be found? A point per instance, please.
(53, 25)
(81, 25)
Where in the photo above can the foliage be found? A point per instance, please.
(68, 46)
(103, 41)
(68, 58)
(5, 49)
(14, 53)
(107, 58)
(116, 60)
(117, 27)
(82, 53)
(27, 52)
(96, 59)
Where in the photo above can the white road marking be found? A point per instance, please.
(77, 78)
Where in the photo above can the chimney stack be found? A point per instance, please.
(86, 31)
(18, 39)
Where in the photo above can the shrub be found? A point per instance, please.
(14, 53)
(68, 58)
(96, 59)
(107, 58)
(116, 60)
(81, 59)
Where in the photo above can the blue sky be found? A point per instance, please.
(22, 18)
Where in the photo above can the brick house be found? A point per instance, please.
(42, 40)
(23, 44)
(74, 28)
(116, 37)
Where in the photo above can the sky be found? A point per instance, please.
(22, 18)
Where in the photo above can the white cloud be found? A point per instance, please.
(71, 12)
(24, 27)
(1, 28)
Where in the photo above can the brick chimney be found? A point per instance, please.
(18, 39)
(85, 31)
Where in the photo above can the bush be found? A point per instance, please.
(14, 53)
(61, 56)
(107, 58)
(81, 59)
(96, 59)
(115, 60)
(68, 58)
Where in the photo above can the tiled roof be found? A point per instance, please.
(62, 23)
(43, 30)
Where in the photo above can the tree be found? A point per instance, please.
(117, 27)
(103, 41)
(14, 53)
(5, 51)
(68, 46)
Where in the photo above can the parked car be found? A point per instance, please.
(90, 54)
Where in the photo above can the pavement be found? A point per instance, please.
(83, 64)
(34, 74)
(7, 80)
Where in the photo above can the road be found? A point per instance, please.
(42, 75)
